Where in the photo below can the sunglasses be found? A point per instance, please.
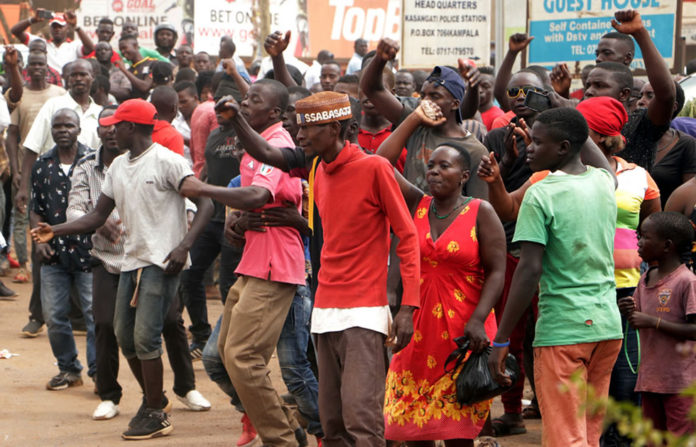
(514, 92)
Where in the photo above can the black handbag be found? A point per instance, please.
(474, 382)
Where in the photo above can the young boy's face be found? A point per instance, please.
(650, 245)
(543, 153)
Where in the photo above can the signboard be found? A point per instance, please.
(569, 30)
(235, 18)
(438, 32)
(335, 25)
(689, 21)
(147, 14)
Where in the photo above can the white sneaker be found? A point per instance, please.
(107, 409)
(195, 401)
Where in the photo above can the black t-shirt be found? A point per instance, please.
(641, 139)
(518, 174)
(297, 167)
(680, 160)
(222, 163)
(142, 70)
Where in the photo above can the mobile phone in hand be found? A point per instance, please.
(44, 14)
(537, 101)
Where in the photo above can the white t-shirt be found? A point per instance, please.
(39, 138)
(58, 56)
(312, 74)
(4, 114)
(354, 64)
(153, 213)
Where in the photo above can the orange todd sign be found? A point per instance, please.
(334, 25)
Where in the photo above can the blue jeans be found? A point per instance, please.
(216, 369)
(623, 381)
(139, 329)
(56, 283)
(294, 365)
(292, 357)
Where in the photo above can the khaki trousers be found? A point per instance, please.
(563, 426)
(252, 320)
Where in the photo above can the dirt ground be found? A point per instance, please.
(32, 416)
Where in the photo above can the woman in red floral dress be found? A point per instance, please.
(462, 272)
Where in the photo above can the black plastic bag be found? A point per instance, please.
(474, 382)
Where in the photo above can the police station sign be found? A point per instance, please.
(437, 32)
(569, 30)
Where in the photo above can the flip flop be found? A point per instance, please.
(501, 427)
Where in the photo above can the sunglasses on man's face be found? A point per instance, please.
(514, 92)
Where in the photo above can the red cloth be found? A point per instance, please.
(52, 76)
(490, 115)
(512, 399)
(168, 137)
(203, 121)
(502, 120)
(421, 398)
(604, 115)
(578, 94)
(358, 199)
(370, 142)
(114, 56)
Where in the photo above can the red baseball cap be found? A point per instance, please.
(134, 111)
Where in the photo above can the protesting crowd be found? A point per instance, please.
(378, 229)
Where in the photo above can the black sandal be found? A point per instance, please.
(502, 427)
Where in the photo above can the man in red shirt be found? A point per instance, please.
(351, 316)
(166, 101)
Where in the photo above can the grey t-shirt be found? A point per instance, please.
(146, 192)
(424, 141)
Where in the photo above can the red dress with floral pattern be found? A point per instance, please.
(421, 399)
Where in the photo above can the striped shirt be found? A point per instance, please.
(634, 187)
(87, 179)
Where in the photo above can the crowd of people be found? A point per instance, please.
(356, 222)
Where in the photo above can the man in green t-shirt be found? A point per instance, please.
(565, 228)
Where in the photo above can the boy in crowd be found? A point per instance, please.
(139, 72)
(664, 309)
(571, 258)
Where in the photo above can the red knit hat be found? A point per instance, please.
(604, 115)
(322, 108)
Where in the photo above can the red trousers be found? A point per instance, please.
(512, 400)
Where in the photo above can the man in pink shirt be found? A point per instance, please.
(203, 122)
(271, 268)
